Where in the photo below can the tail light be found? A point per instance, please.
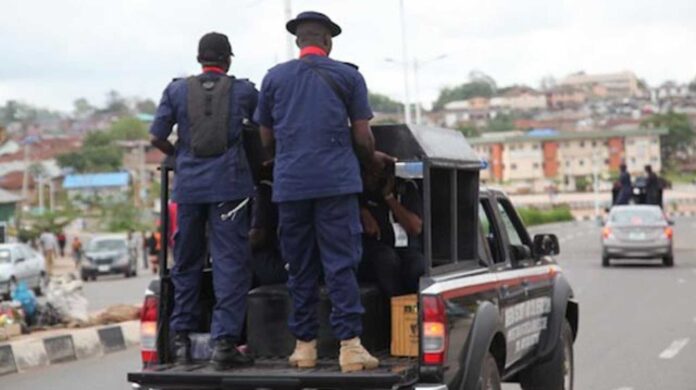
(669, 232)
(148, 331)
(607, 233)
(434, 340)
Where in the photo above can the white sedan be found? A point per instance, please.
(20, 263)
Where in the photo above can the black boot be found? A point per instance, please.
(226, 355)
(182, 348)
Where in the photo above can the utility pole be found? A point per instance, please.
(25, 176)
(41, 193)
(404, 49)
(290, 47)
(417, 64)
(51, 195)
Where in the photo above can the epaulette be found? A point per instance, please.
(351, 65)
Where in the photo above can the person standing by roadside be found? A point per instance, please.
(305, 106)
(652, 187)
(61, 243)
(152, 251)
(49, 247)
(76, 248)
(212, 188)
(144, 247)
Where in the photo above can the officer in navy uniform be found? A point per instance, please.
(391, 212)
(305, 106)
(212, 187)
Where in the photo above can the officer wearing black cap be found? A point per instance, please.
(212, 186)
(314, 118)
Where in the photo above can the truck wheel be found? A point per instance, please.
(605, 261)
(490, 377)
(668, 261)
(555, 373)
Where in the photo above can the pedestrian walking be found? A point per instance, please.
(212, 187)
(49, 247)
(305, 106)
(76, 248)
(61, 243)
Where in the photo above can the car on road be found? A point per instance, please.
(20, 263)
(493, 306)
(108, 254)
(637, 232)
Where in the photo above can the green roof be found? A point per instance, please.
(569, 135)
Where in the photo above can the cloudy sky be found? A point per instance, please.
(54, 51)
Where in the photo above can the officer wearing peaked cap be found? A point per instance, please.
(212, 186)
(305, 107)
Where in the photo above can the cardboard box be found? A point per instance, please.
(404, 325)
(9, 331)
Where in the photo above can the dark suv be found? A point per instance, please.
(493, 305)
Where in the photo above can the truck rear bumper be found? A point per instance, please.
(277, 375)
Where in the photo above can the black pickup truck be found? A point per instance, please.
(493, 306)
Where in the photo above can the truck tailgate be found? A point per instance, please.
(275, 373)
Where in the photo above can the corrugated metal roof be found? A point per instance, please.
(96, 180)
(8, 197)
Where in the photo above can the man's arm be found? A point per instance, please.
(408, 219)
(363, 142)
(162, 125)
(268, 140)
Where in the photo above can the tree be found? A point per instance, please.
(501, 122)
(463, 92)
(146, 106)
(116, 104)
(680, 135)
(469, 131)
(97, 155)
(383, 103)
(128, 129)
(82, 108)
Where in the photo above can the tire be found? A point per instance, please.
(558, 371)
(605, 261)
(84, 276)
(489, 379)
(668, 261)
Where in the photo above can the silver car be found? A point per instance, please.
(637, 232)
(106, 255)
(20, 263)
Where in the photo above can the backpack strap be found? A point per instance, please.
(340, 93)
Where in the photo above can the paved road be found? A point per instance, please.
(637, 327)
(114, 289)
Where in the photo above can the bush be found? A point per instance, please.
(532, 216)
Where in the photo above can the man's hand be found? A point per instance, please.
(388, 189)
(381, 160)
(370, 225)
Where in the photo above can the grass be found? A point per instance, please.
(534, 216)
(680, 176)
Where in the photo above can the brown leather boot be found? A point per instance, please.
(354, 357)
(305, 354)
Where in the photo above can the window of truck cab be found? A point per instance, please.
(516, 232)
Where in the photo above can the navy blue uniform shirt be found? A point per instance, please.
(314, 149)
(207, 179)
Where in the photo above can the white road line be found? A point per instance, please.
(674, 348)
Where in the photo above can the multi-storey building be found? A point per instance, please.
(615, 85)
(540, 156)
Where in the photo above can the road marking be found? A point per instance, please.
(674, 348)
(625, 388)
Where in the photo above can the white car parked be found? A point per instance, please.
(18, 262)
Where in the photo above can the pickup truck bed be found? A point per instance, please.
(275, 373)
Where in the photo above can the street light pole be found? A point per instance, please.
(290, 48)
(416, 67)
(407, 98)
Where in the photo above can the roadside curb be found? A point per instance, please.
(70, 345)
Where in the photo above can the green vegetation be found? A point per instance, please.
(469, 131)
(464, 91)
(582, 184)
(99, 152)
(533, 216)
(121, 217)
(501, 123)
(384, 104)
(677, 141)
(680, 176)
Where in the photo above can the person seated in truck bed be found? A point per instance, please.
(267, 264)
(391, 212)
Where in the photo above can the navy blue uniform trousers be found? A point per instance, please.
(229, 251)
(316, 233)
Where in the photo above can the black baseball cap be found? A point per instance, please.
(312, 16)
(214, 47)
